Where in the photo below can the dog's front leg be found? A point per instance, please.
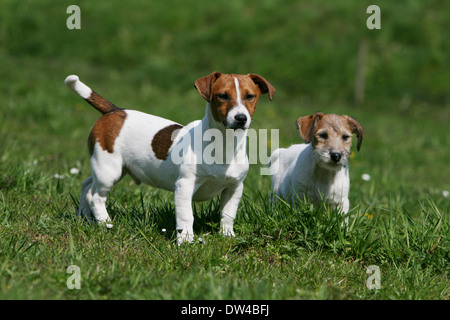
(345, 208)
(184, 190)
(229, 202)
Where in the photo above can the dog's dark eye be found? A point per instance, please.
(223, 96)
(345, 137)
(249, 96)
(323, 135)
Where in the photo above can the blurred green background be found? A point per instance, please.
(146, 55)
(307, 48)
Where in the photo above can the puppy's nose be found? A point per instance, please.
(335, 156)
(240, 118)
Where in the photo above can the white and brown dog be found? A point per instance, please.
(145, 146)
(317, 169)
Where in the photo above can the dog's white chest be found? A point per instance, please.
(332, 188)
(212, 180)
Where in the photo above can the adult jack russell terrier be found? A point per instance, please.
(142, 145)
(317, 169)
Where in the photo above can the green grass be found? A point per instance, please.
(146, 56)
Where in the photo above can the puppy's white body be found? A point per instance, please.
(299, 175)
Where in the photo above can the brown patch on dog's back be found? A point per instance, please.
(162, 141)
(106, 130)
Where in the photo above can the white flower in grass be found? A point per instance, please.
(445, 193)
(365, 177)
(74, 171)
(57, 176)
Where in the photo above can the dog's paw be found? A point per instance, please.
(106, 224)
(227, 231)
(184, 237)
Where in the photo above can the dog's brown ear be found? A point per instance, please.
(263, 85)
(204, 85)
(306, 124)
(356, 128)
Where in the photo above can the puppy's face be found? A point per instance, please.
(233, 98)
(331, 137)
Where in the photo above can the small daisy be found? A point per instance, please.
(365, 177)
(445, 193)
(74, 171)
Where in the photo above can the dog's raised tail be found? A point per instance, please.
(93, 98)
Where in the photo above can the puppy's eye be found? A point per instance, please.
(345, 137)
(249, 96)
(323, 135)
(223, 96)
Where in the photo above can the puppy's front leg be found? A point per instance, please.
(229, 202)
(184, 190)
(342, 207)
(345, 208)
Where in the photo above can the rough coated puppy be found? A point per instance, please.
(317, 169)
(167, 155)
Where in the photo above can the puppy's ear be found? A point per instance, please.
(306, 125)
(204, 85)
(263, 85)
(356, 128)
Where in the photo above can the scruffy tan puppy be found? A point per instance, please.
(317, 169)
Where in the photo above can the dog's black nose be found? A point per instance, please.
(335, 156)
(240, 118)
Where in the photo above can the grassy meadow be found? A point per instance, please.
(146, 55)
